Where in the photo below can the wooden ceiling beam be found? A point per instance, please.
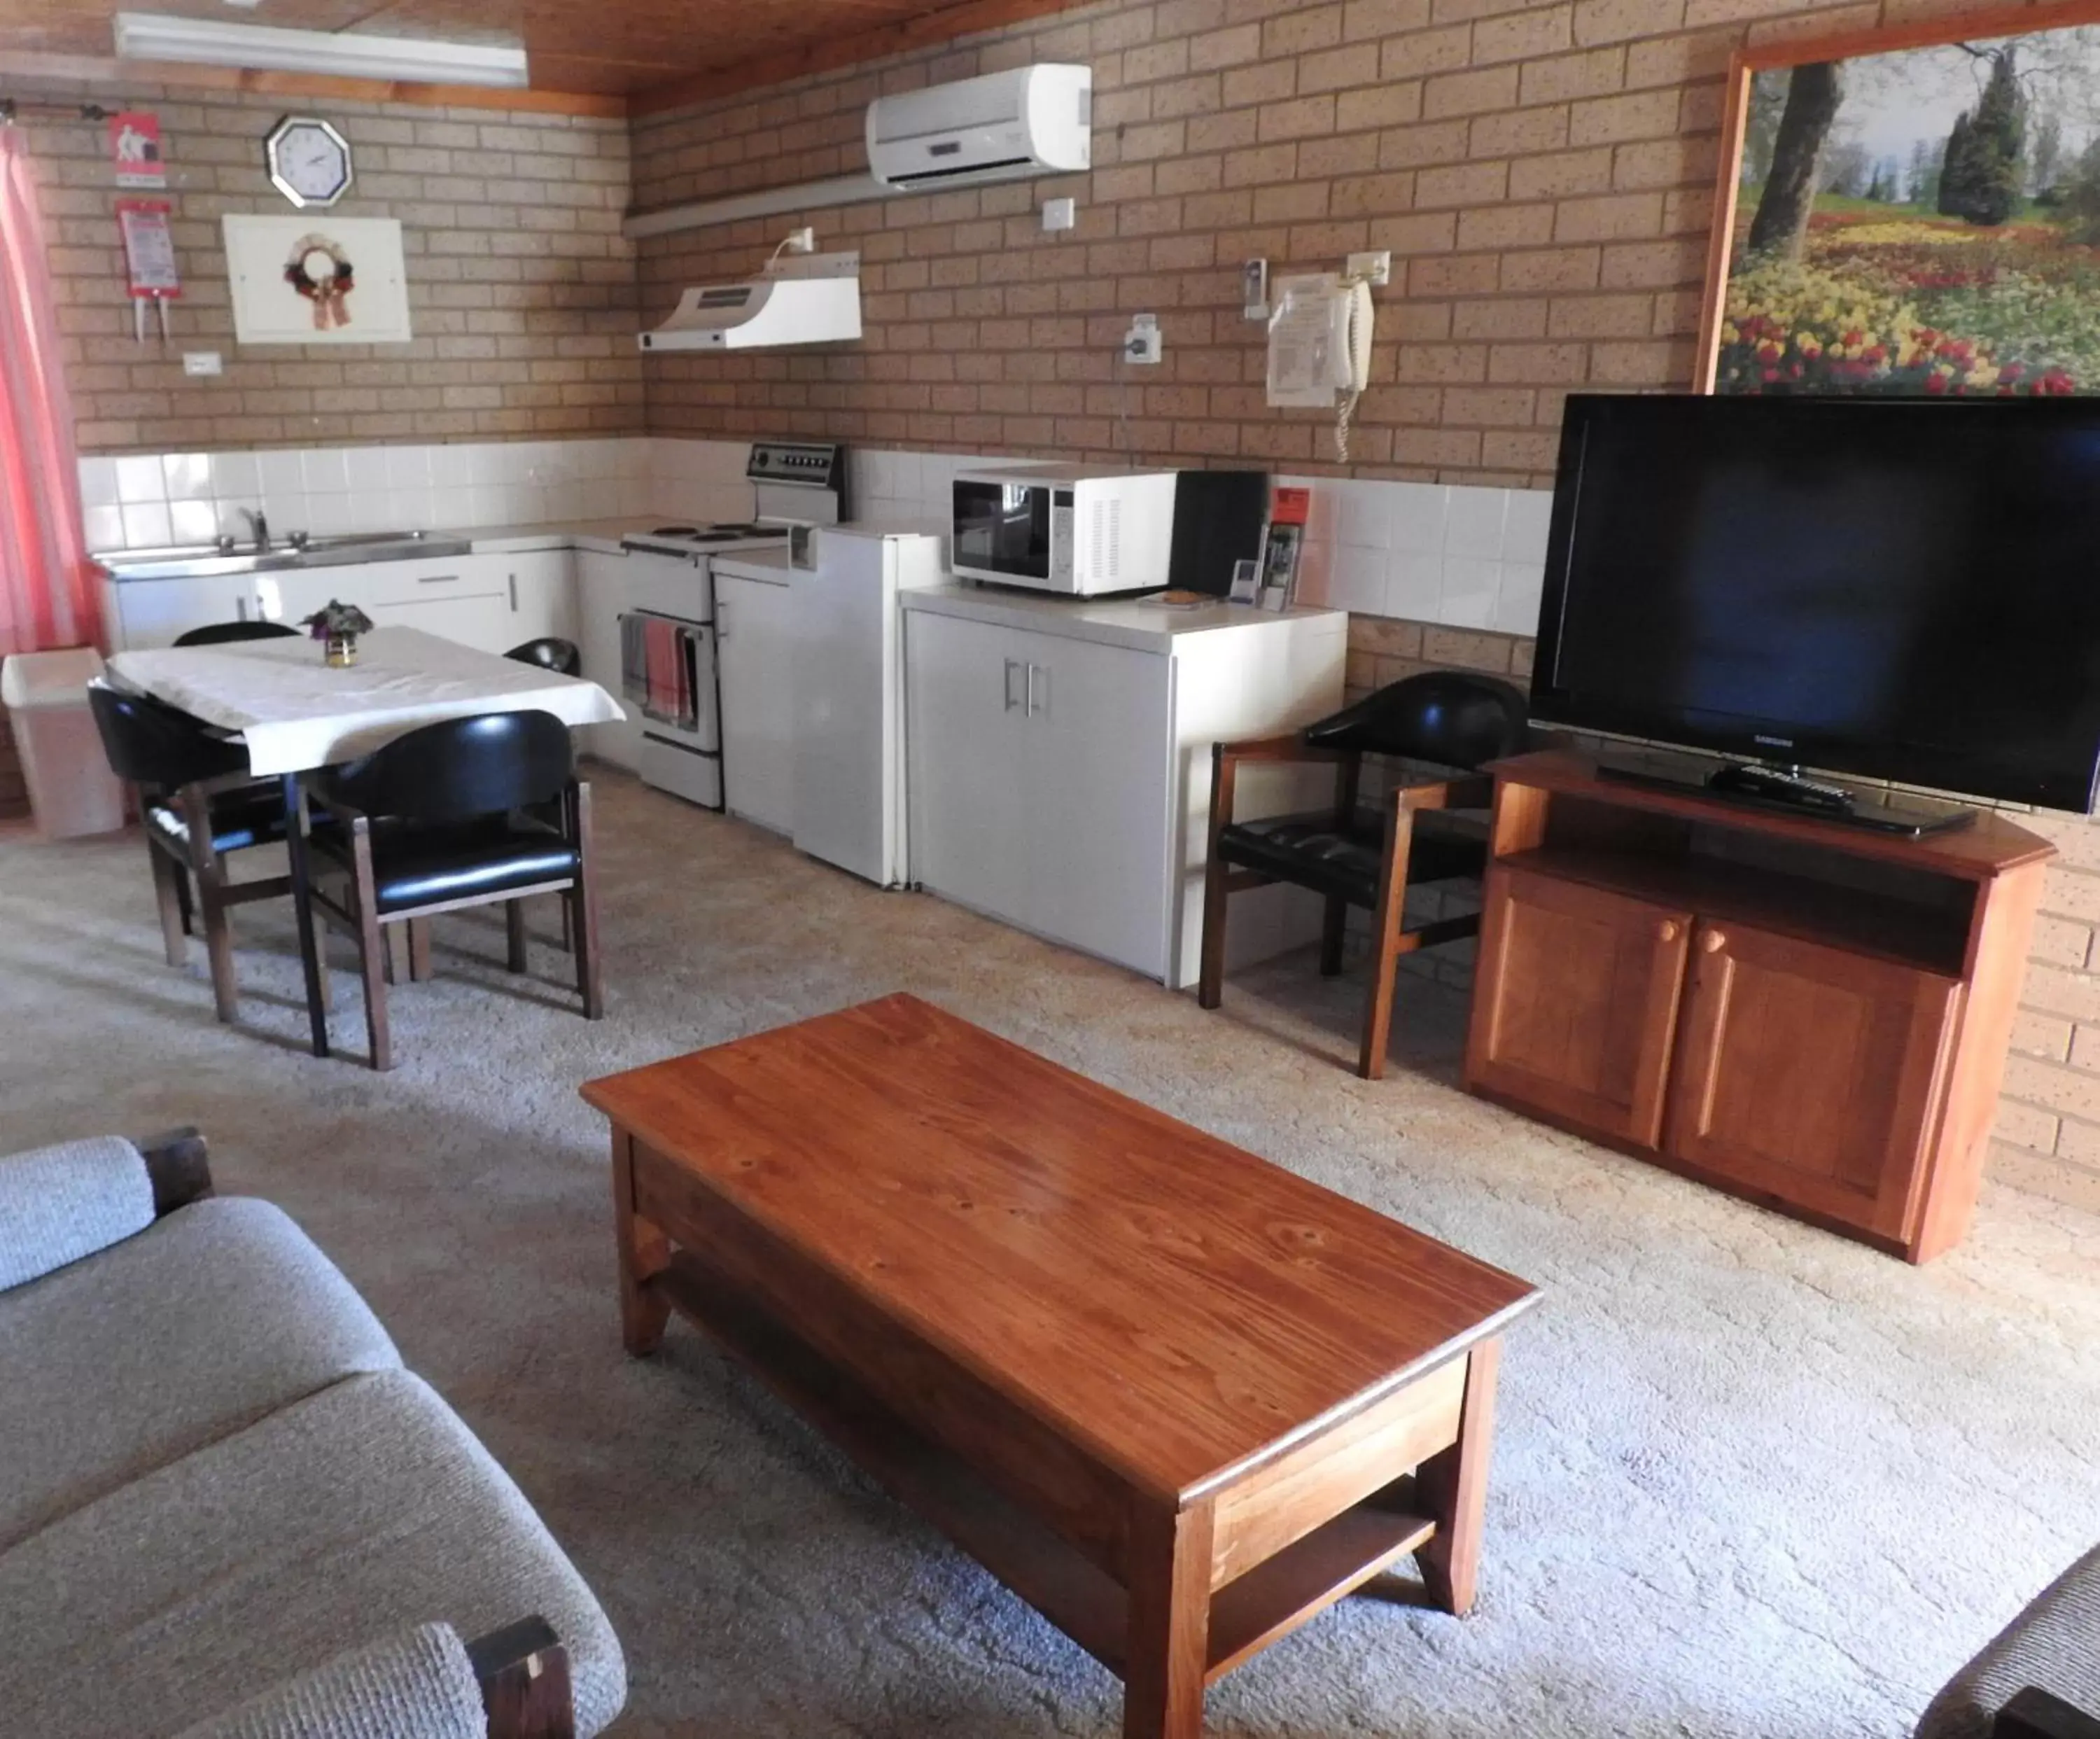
(841, 52)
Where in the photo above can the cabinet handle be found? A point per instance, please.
(1666, 931)
(436, 579)
(241, 608)
(1033, 671)
(1714, 942)
(1013, 664)
(722, 621)
(513, 594)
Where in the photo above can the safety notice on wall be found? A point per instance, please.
(135, 149)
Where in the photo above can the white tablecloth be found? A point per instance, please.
(294, 712)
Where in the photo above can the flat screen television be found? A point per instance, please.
(1897, 589)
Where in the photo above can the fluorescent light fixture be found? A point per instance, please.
(144, 36)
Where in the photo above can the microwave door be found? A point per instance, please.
(1003, 530)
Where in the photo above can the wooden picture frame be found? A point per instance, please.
(1993, 25)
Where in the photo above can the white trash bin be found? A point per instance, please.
(71, 790)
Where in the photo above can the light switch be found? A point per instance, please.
(1059, 213)
(202, 362)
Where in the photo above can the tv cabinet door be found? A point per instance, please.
(1575, 1003)
(1812, 1074)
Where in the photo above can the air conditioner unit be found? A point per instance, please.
(1032, 120)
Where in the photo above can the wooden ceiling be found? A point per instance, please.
(630, 54)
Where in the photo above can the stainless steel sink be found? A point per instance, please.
(197, 561)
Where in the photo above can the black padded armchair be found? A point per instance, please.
(224, 634)
(466, 812)
(1362, 855)
(550, 652)
(200, 805)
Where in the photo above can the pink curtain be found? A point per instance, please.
(48, 596)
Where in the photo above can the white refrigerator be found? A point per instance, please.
(849, 694)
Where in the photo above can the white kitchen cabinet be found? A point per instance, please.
(602, 597)
(754, 641)
(1059, 763)
(491, 603)
(965, 755)
(153, 612)
(541, 586)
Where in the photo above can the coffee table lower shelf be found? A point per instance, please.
(1267, 1602)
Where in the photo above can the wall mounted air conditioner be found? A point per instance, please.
(812, 300)
(1032, 120)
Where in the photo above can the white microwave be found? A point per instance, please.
(1063, 528)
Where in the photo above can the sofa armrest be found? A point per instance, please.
(60, 1204)
(2036, 1713)
(421, 1683)
(417, 1684)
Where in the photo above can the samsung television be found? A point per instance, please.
(1903, 589)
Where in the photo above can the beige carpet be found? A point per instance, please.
(1751, 1481)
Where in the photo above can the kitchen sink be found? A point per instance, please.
(198, 561)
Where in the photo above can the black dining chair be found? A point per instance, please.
(451, 815)
(1368, 856)
(550, 652)
(219, 633)
(199, 805)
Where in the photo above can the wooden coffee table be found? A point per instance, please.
(1176, 1398)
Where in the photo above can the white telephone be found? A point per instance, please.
(1319, 347)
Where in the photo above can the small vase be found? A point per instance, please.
(342, 651)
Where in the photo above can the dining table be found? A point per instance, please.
(295, 713)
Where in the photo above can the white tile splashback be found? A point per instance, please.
(1463, 557)
(144, 499)
(1449, 554)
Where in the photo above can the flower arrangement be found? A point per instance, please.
(338, 626)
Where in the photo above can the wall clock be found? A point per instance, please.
(308, 160)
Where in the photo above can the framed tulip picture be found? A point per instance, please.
(1913, 210)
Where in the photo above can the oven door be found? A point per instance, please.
(1002, 531)
(668, 672)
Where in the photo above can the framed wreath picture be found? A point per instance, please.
(314, 279)
(1913, 210)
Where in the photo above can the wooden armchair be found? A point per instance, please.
(1367, 856)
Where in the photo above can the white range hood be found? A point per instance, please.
(814, 299)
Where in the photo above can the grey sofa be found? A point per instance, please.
(226, 1510)
(2039, 1677)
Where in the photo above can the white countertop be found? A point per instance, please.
(1138, 623)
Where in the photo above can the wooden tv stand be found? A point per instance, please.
(1811, 1016)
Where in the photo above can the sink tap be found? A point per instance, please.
(224, 543)
(299, 540)
(259, 525)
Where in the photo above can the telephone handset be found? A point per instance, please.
(1319, 347)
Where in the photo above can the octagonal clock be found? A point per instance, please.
(309, 161)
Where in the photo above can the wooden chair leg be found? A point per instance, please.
(207, 874)
(583, 906)
(513, 925)
(175, 922)
(373, 951)
(1385, 943)
(419, 950)
(1334, 930)
(218, 946)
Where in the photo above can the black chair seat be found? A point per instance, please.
(252, 816)
(426, 864)
(1342, 859)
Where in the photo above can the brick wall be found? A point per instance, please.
(1543, 173)
(521, 287)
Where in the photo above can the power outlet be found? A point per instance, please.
(1059, 213)
(1373, 269)
(195, 363)
(1142, 342)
